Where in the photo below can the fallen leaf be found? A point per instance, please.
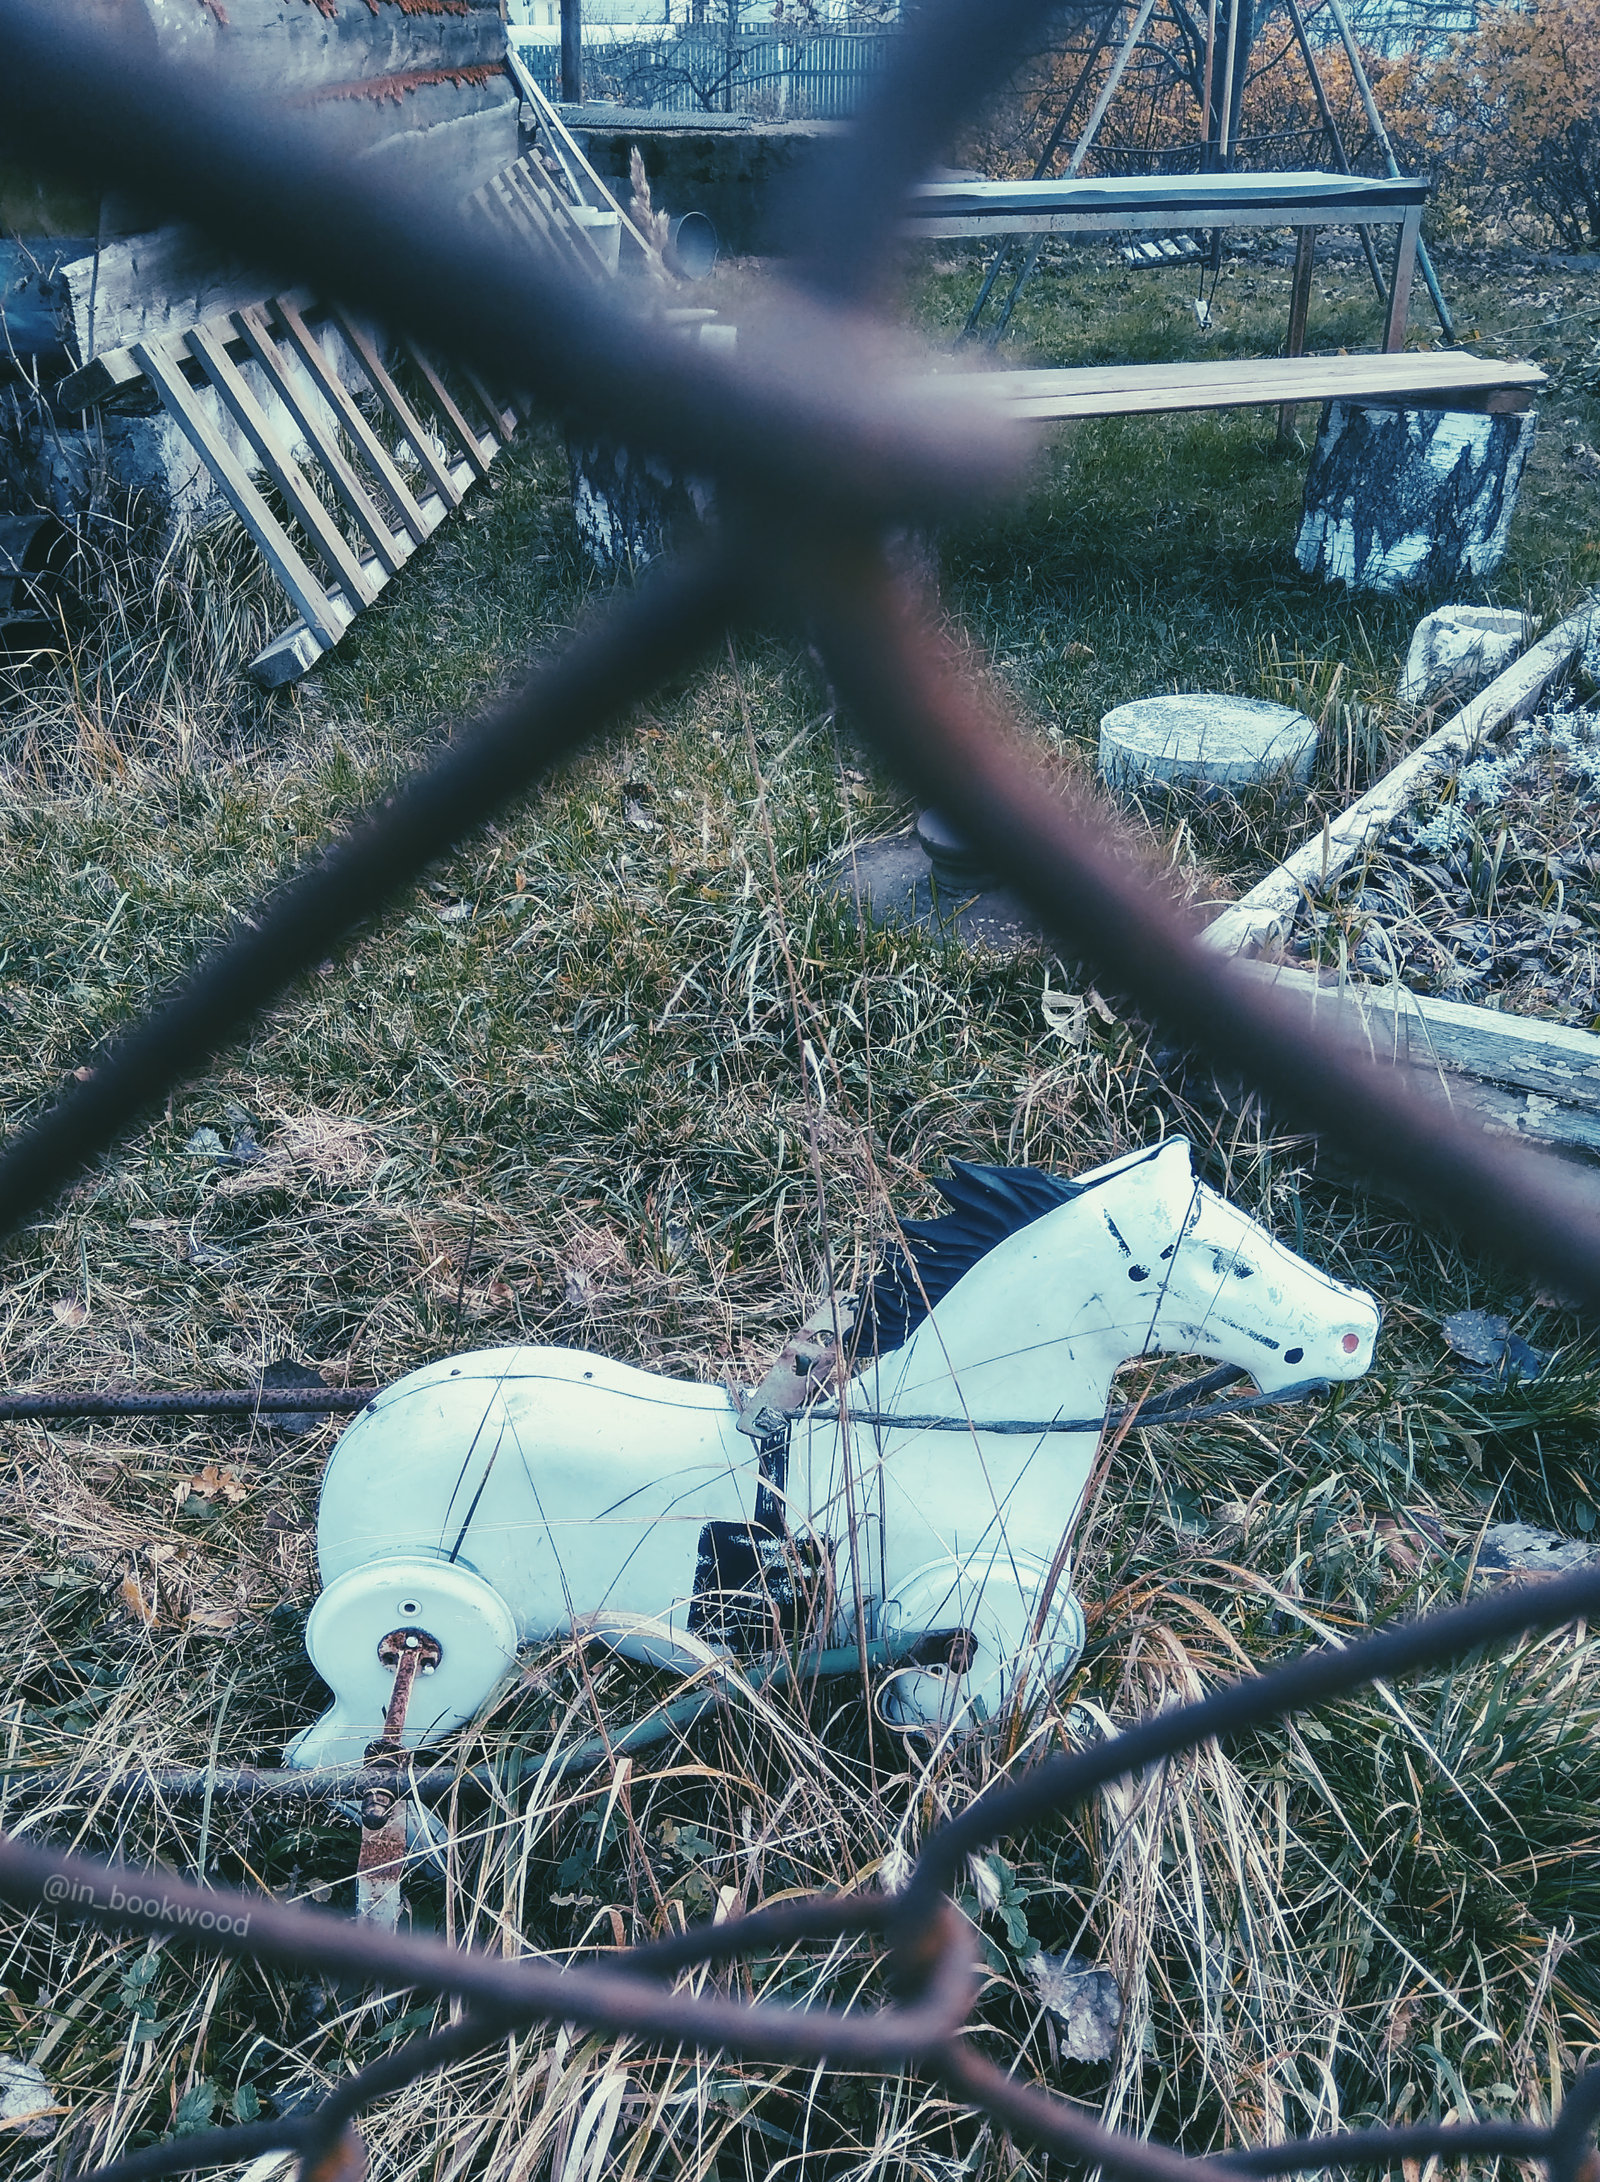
(27, 2104)
(211, 1484)
(1397, 2032)
(70, 1311)
(1084, 1999)
(215, 1618)
(133, 1598)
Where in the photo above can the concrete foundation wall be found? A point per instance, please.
(745, 177)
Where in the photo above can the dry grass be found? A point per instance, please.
(559, 1096)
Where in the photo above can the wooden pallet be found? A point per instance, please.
(392, 466)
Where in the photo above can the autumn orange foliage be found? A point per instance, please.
(1506, 117)
(1514, 111)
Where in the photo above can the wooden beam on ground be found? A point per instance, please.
(1262, 917)
(1518, 1076)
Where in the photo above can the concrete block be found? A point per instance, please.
(1457, 650)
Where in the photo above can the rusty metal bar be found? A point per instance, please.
(197, 1402)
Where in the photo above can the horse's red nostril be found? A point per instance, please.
(1352, 1341)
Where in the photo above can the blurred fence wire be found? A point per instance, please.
(823, 443)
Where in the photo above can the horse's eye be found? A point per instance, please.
(1293, 1356)
(1138, 1272)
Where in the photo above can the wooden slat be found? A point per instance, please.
(438, 473)
(325, 616)
(503, 419)
(471, 446)
(333, 389)
(526, 175)
(297, 649)
(1193, 200)
(520, 214)
(529, 178)
(256, 333)
(556, 229)
(210, 353)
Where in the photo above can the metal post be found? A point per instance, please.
(730, 54)
(1331, 126)
(1091, 129)
(1225, 121)
(1375, 122)
(1042, 164)
(572, 52)
(1205, 97)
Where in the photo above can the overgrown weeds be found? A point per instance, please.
(561, 1095)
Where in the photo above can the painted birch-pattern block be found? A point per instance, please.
(1411, 499)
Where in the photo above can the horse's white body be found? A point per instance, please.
(514, 1494)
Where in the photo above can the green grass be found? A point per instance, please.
(558, 1095)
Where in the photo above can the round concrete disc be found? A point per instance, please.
(1231, 741)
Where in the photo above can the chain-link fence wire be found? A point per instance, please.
(822, 442)
(930, 1965)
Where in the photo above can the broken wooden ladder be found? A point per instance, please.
(393, 464)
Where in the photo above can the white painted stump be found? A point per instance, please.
(1230, 742)
(1411, 499)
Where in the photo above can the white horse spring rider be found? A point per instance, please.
(515, 1494)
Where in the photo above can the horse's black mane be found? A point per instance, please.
(987, 1204)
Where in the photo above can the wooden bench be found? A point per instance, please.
(1442, 379)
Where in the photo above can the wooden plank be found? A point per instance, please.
(471, 446)
(1305, 256)
(280, 465)
(1263, 916)
(1405, 263)
(502, 419)
(334, 391)
(1345, 376)
(1433, 381)
(1197, 200)
(99, 379)
(143, 287)
(1551, 1060)
(257, 334)
(969, 226)
(436, 471)
(327, 617)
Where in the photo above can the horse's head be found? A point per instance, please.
(1202, 1278)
